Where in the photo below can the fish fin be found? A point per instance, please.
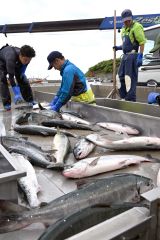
(109, 205)
(51, 158)
(40, 106)
(77, 114)
(10, 207)
(126, 205)
(70, 150)
(82, 183)
(94, 162)
(10, 150)
(149, 156)
(72, 135)
(58, 130)
(43, 204)
(1, 140)
(125, 135)
(101, 205)
(25, 138)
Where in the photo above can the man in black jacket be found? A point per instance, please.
(13, 63)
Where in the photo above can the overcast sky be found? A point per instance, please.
(84, 48)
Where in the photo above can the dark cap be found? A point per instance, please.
(52, 56)
(126, 15)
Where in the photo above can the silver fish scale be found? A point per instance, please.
(61, 145)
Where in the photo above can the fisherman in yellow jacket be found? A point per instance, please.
(133, 41)
(74, 84)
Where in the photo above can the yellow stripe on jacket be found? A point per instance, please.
(87, 97)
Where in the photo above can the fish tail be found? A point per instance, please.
(1, 139)
(2, 143)
(154, 159)
(56, 166)
(11, 217)
(12, 223)
(58, 130)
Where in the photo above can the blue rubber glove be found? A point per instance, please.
(116, 48)
(7, 107)
(56, 107)
(32, 103)
(17, 95)
(153, 97)
(54, 101)
(139, 59)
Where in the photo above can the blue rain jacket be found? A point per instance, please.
(73, 82)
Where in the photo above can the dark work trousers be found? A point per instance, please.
(128, 67)
(4, 89)
(23, 83)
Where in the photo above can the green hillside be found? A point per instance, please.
(103, 67)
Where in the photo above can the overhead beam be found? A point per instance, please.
(53, 26)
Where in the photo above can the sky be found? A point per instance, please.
(83, 48)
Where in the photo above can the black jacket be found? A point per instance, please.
(10, 63)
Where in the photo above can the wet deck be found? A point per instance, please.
(54, 185)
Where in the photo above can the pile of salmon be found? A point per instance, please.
(26, 154)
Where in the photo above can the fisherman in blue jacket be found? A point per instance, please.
(13, 64)
(133, 41)
(74, 84)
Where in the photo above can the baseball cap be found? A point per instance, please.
(126, 15)
(52, 56)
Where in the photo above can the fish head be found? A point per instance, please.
(80, 153)
(79, 149)
(83, 149)
(144, 184)
(76, 170)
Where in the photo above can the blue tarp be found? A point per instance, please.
(146, 20)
